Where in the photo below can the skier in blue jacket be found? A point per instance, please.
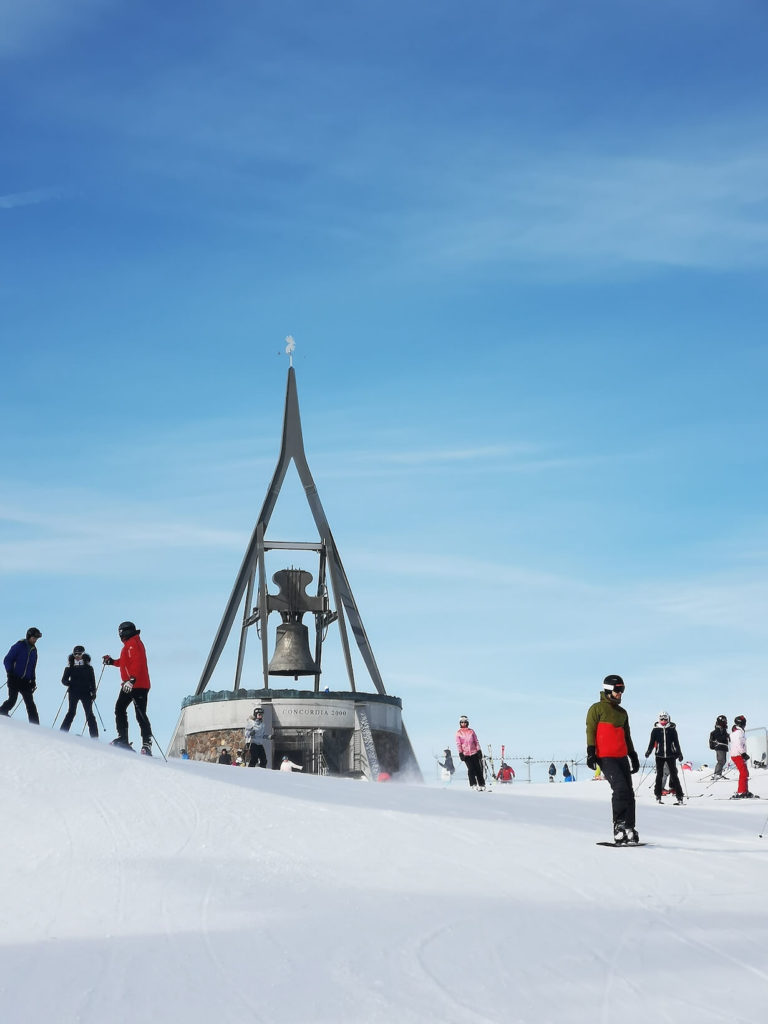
(21, 664)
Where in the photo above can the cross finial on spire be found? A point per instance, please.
(290, 348)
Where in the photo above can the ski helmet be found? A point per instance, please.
(78, 650)
(740, 720)
(126, 630)
(258, 711)
(463, 720)
(721, 720)
(611, 683)
(33, 631)
(663, 716)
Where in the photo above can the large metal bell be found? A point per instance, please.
(292, 656)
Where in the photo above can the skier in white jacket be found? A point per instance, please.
(255, 737)
(739, 756)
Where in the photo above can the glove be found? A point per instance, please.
(591, 758)
(107, 660)
(634, 762)
(745, 757)
(462, 757)
(127, 686)
(679, 757)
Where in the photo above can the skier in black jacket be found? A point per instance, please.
(80, 680)
(719, 742)
(667, 746)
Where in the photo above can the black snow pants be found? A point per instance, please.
(257, 756)
(674, 778)
(26, 688)
(139, 700)
(616, 770)
(90, 718)
(474, 763)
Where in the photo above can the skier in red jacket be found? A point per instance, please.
(135, 687)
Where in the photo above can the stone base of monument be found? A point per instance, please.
(355, 735)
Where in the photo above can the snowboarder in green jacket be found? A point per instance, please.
(609, 745)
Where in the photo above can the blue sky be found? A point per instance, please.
(522, 249)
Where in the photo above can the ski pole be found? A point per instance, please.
(642, 776)
(139, 711)
(685, 783)
(763, 829)
(159, 748)
(60, 707)
(103, 727)
(98, 684)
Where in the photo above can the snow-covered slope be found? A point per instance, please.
(139, 891)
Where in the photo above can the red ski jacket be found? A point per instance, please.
(133, 662)
(608, 729)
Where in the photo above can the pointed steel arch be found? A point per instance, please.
(252, 570)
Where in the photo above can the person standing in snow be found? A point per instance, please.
(134, 673)
(287, 765)
(567, 777)
(80, 681)
(468, 747)
(506, 773)
(255, 737)
(718, 741)
(447, 765)
(739, 756)
(609, 745)
(552, 770)
(21, 665)
(665, 743)
(225, 757)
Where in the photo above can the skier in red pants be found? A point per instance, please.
(739, 756)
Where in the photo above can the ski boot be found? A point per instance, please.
(632, 837)
(146, 748)
(620, 837)
(659, 800)
(121, 741)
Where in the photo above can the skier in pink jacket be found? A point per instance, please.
(468, 747)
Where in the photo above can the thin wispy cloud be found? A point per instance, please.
(80, 539)
(492, 458)
(12, 200)
(30, 27)
(609, 211)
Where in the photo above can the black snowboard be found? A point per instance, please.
(621, 845)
